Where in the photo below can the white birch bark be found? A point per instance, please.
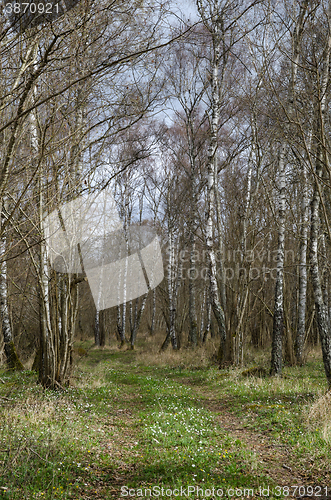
(125, 227)
(122, 309)
(278, 317)
(321, 308)
(202, 315)
(48, 346)
(238, 350)
(193, 335)
(321, 157)
(153, 312)
(220, 245)
(12, 359)
(172, 289)
(302, 299)
(49, 351)
(216, 36)
(190, 132)
(57, 329)
(97, 337)
(97, 328)
(170, 276)
(208, 318)
(138, 312)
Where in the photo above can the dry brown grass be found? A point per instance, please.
(151, 355)
(319, 416)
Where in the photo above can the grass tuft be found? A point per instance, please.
(319, 416)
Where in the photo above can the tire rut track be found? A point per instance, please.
(276, 459)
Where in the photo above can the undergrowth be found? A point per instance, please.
(127, 423)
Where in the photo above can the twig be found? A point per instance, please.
(59, 385)
(41, 458)
(287, 467)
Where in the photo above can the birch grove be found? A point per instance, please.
(211, 131)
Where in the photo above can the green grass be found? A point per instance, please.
(127, 424)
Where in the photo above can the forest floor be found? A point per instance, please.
(171, 424)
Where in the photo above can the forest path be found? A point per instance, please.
(173, 426)
(277, 460)
(123, 424)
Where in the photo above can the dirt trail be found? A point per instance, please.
(276, 460)
(275, 457)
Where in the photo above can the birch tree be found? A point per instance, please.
(220, 19)
(322, 78)
(13, 361)
(302, 298)
(278, 316)
(186, 74)
(212, 14)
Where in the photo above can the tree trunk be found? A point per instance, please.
(153, 313)
(12, 360)
(214, 23)
(220, 245)
(300, 337)
(208, 319)
(172, 306)
(193, 334)
(214, 294)
(278, 319)
(137, 320)
(321, 158)
(202, 315)
(320, 307)
(120, 330)
(97, 328)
